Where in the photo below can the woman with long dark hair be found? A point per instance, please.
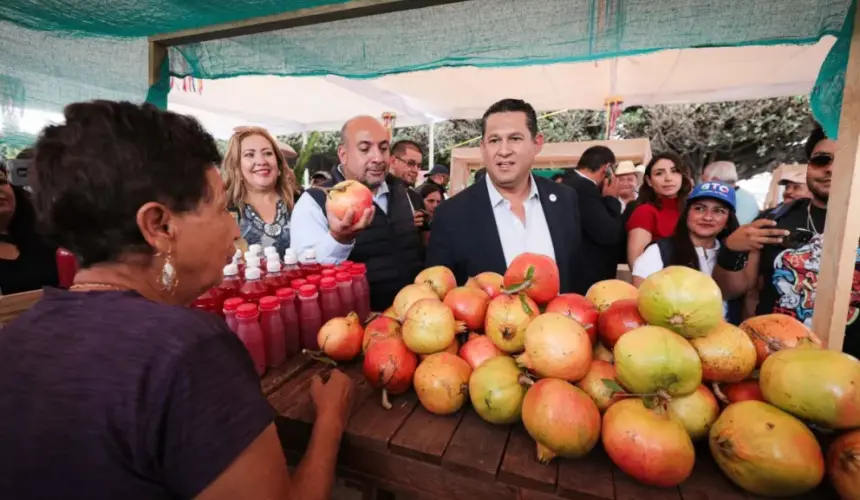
(706, 220)
(27, 262)
(668, 181)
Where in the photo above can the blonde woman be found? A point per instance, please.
(258, 187)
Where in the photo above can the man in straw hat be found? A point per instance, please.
(629, 179)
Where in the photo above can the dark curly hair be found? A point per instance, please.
(95, 171)
(428, 188)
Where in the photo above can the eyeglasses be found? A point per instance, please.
(821, 160)
(410, 163)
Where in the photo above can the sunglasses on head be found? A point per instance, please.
(821, 160)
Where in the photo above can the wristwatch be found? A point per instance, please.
(732, 261)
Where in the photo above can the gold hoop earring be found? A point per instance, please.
(168, 279)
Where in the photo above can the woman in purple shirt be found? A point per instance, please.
(116, 389)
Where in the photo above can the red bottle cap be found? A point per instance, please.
(247, 311)
(307, 291)
(328, 273)
(343, 277)
(233, 303)
(314, 279)
(347, 263)
(285, 293)
(328, 266)
(270, 303)
(357, 270)
(297, 283)
(328, 284)
(361, 266)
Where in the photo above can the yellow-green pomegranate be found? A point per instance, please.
(684, 300)
(817, 385)
(766, 451)
(497, 389)
(654, 360)
(697, 412)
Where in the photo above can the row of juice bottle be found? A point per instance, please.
(278, 314)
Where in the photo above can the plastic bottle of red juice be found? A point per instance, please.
(310, 316)
(347, 263)
(344, 291)
(271, 251)
(67, 267)
(274, 278)
(231, 284)
(314, 279)
(291, 269)
(329, 273)
(298, 283)
(290, 319)
(361, 290)
(330, 305)
(273, 331)
(253, 289)
(211, 301)
(250, 333)
(256, 249)
(309, 262)
(230, 306)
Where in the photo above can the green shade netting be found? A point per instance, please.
(56, 52)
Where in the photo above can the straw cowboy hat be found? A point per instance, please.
(628, 167)
(792, 173)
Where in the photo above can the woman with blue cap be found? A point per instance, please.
(707, 219)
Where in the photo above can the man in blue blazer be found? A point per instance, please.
(509, 211)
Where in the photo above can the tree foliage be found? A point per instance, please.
(756, 135)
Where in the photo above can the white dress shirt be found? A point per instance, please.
(533, 236)
(309, 228)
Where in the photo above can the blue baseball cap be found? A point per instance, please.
(716, 191)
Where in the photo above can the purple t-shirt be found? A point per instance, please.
(107, 395)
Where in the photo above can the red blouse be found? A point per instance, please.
(660, 222)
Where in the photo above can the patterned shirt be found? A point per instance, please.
(255, 230)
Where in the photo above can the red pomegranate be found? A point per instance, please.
(603, 293)
(843, 465)
(340, 338)
(619, 318)
(469, 305)
(578, 308)
(507, 319)
(727, 353)
(561, 418)
(602, 353)
(389, 365)
(380, 328)
(556, 347)
(442, 383)
(479, 349)
(491, 283)
(348, 194)
(595, 384)
(535, 274)
(735, 392)
(647, 444)
(773, 332)
(440, 278)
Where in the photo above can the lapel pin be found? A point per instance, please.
(552, 197)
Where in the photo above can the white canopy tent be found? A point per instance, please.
(297, 104)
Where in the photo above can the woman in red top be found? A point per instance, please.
(668, 181)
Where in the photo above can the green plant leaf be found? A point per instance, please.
(525, 304)
(530, 273)
(650, 402)
(612, 385)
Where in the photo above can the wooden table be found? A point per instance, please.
(410, 451)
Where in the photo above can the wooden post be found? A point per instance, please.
(842, 229)
(157, 53)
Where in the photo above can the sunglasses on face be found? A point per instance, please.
(821, 160)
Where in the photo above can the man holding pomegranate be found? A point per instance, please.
(379, 232)
(783, 248)
(509, 211)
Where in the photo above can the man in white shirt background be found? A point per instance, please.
(509, 211)
(385, 239)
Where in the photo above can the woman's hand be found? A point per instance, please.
(332, 399)
(755, 235)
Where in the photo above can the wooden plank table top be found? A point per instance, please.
(409, 450)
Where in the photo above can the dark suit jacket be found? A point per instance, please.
(465, 238)
(602, 230)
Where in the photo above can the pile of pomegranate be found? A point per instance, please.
(645, 372)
